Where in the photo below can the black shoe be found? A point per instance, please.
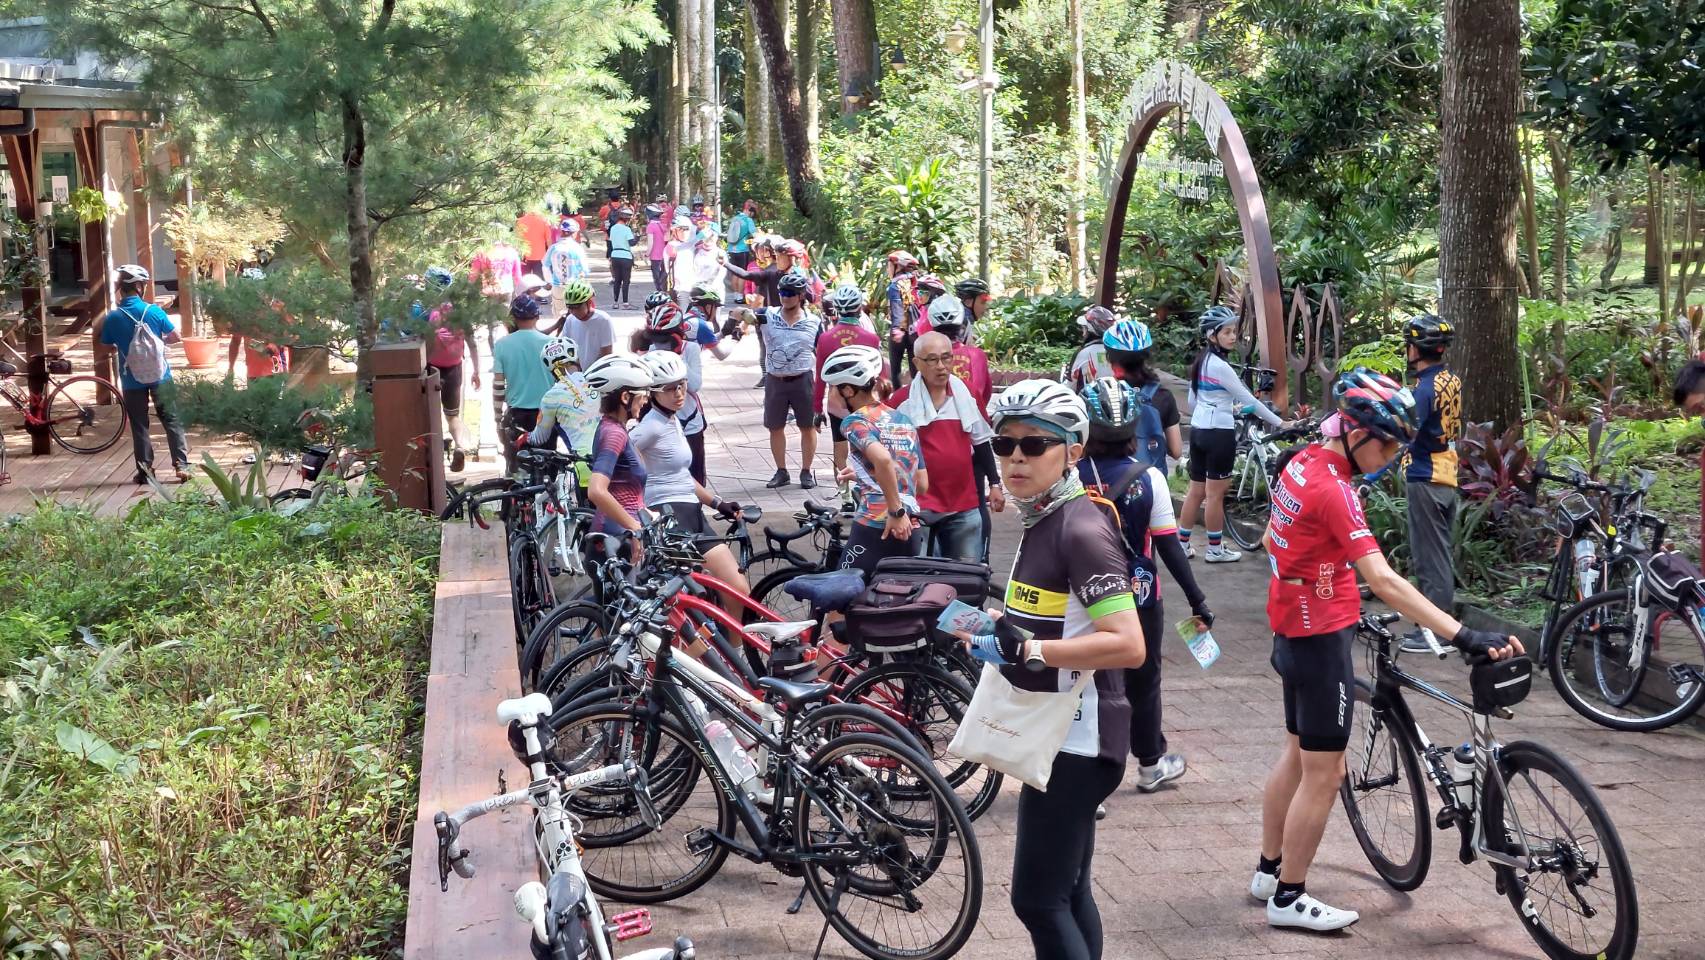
(143, 476)
(458, 460)
(760, 384)
(779, 480)
(806, 480)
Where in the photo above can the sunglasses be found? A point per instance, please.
(1032, 446)
(678, 385)
(790, 293)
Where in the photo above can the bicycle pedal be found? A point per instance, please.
(701, 841)
(630, 925)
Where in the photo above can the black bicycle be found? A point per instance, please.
(1597, 527)
(1519, 806)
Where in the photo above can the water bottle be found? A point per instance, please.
(1462, 775)
(1586, 565)
(739, 765)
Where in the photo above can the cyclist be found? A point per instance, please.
(1069, 609)
(621, 258)
(668, 329)
(518, 359)
(974, 294)
(1147, 530)
(886, 461)
(617, 483)
(1431, 473)
(565, 261)
(1126, 346)
(669, 484)
(704, 302)
(789, 333)
(970, 364)
(570, 408)
(118, 329)
(1216, 396)
(657, 254)
(955, 433)
(1091, 363)
(1318, 542)
(903, 306)
(590, 328)
(448, 347)
(848, 303)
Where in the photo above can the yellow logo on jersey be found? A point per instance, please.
(1035, 601)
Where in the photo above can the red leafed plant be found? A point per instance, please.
(1495, 466)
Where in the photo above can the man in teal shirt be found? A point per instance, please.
(519, 359)
(118, 329)
(741, 230)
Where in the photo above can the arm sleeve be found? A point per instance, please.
(1240, 394)
(1171, 553)
(1096, 566)
(896, 307)
(983, 461)
(744, 273)
(547, 422)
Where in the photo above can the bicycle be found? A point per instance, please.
(1248, 499)
(1597, 545)
(1542, 861)
(71, 409)
(861, 817)
(565, 916)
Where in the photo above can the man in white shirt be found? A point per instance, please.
(590, 328)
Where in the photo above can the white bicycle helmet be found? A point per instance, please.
(616, 372)
(946, 312)
(131, 273)
(1046, 400)
(559, 354)
(666, 367)
(856, 366)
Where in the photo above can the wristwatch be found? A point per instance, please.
(894, 514)
(1033, 654)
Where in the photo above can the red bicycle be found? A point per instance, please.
(82, 413)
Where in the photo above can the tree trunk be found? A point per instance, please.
(1480, 186)
(1664, 242)
(1654, 229)
(805, 52)
(1559, 223)
(1076, 234)
(1529, 222)
(686, 55)
(360, 231)
(672, 145)
(708, 119)
(797, 155)
(855, 52)
(1683, 281)
(784, 17)
(1613, 243)
(756, 94)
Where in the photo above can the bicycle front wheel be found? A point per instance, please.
(1576, 895)
(929, 701)
(77, 419)
(1384, 796)
(1625, 667)
(1246, 502)
(558, 634)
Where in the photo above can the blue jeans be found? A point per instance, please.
(958, 536)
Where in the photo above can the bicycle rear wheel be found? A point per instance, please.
(558, 634)
(898, 876)
(76, 418)
(929, 701)
(1625, 668)
(771, 592)
(1384, 795)
(1577, 897)
(531, 592)
(1247, 503)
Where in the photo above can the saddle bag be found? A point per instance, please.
(969, 580)
(896, 615)
(794, 662)
(1672, 581)
(1500, 683)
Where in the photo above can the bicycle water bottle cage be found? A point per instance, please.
(832, 591)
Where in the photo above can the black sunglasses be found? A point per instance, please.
(1033, 446)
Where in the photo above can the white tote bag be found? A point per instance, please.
(1015, 731)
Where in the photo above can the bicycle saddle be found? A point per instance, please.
(7, 369)
(827, 591)
(780, 632)
(527, 709)
(794, 694)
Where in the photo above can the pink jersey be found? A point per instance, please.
(840, 335)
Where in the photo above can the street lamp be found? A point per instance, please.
(957, 35)
(897, 59)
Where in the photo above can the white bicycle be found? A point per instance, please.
(567, 921)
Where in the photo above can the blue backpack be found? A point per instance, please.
(1151, 436)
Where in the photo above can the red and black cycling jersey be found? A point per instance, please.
(1316, 532)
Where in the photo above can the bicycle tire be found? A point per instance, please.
(1519, 761)
(1602, 622)
(930, 701)
(769, 592)
(86, 415)
(1376, 736)
(1247, 503)
(616, 842)
(458, 506)
(884, 848)
(552, 637)
(532, 594)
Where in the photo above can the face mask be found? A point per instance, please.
(1031, 510)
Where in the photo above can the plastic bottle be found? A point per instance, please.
(1462, 775)
(1586, 565)
(738, 763)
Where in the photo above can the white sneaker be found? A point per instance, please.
(1169, 767)
(1223, 555)
(1263, 886)
(1189, 551)
(1310, 914)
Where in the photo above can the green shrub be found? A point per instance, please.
(211, 725)
(1033, 332)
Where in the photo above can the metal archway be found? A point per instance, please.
(1169, 86)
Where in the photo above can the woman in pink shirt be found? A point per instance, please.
(446, 347)
(658, 231)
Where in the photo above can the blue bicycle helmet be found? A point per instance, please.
(1128, 335)
(1216, 317)
(1376, 403)
(524, 307)
(1113, 408)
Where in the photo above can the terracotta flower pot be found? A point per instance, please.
(201, 352)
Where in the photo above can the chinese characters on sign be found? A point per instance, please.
(1170, 82)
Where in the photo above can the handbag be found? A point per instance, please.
(1017, 732)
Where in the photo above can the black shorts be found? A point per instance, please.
(1319, 677)
(782, 394)
(450, 387)
(523, 418)
(690, 518)
(1212, 454)
(866, 547)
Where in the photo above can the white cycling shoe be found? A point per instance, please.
(1222, 555)
(1264, 886)
(1169, 767)
(1310, 914)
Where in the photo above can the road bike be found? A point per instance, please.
(566, 918)
(1519, 806)
(82, 413)
(1248, 498)
(1598, 531)
(883, 846)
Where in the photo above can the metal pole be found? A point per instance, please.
(985, 142)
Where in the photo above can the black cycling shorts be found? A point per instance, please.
(866, 547)
(1212, 454)
(1319, 677)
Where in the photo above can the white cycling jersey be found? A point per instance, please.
(1218, 394)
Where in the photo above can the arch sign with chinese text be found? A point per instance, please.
(1169, 86)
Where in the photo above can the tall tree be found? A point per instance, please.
(1480, 188)
(1076, 233)
(805, 53)
(855, 52)
(798, 157)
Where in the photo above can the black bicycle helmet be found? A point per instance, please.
(793, 283)
(1376, 403)
(1429, 334)
(1216, 317)
(657, 299)
(970, 287)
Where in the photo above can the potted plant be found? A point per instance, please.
(214, 236)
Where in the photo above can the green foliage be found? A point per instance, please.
(276, 417)
(920, 212)
(1386, 355)
(1623, 79)
(1035, 333)
(226, 763)
(88, 205)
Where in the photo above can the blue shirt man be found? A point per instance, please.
(117, 329)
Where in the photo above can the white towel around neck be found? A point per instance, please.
(921, 410)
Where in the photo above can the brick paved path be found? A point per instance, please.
(1171, 868)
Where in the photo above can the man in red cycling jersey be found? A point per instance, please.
(1318, 541)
